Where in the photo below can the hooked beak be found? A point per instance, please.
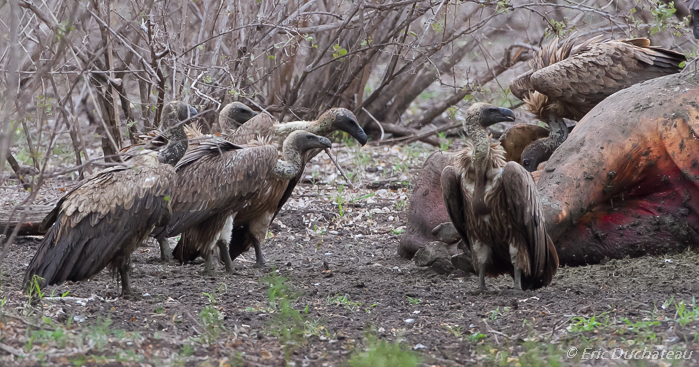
(507, 114)
(361, 136)
(325, 142)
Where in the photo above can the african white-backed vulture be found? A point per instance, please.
(233, 115)
(568, 80)
(205, 227)
(496, 209)
(252, 222)
(100, 223)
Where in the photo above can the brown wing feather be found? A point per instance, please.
(527, 217)
(454, 200)
(260, 125)
(99, 223)
(600, 70)
(213, 179)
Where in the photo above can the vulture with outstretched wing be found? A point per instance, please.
(102, 221)
(496, 209)
(218, 181)
(568, 80)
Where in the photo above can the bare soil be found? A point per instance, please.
(351, 287)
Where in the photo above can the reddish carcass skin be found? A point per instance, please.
(626, 182)
(426, 209)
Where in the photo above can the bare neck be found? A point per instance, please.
(317, 127)
(290, 165)
(481, 160)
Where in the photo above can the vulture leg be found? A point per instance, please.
(481, 279)
(518, 279)
(260, 263)
(165, 252)
(226, 255)
(482, 253)
(518, 270)
(126, 290)
(209, 265)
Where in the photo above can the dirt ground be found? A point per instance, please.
(338, 289)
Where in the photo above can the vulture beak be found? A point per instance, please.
(348, 123)
(507, 114)
(325, 142)
(360, 136)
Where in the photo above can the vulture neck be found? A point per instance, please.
(318, 127)
(176, 146)
(480, 161)
(291, 164)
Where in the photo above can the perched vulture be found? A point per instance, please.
(234, 112)
(568, 80)
(495, 207)
(103, 220)
(217, 179)
(251, 223)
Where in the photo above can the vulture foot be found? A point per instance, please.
(225, 256)
(209, 264)
(165, 252)
(126, 291)
(260, 263)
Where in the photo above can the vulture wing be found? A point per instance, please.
(600, 70)
(108, 214)
(549, 54)
(217, 176)
(454, 200)
(527, 217)
(260, 125)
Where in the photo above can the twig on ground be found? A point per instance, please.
(12, 350)
(342, 172)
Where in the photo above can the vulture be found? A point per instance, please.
(102, 221)
(568, 80)
(232, 113)
(217, 179)
(252, 222)
(496, 209)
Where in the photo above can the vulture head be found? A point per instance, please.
(535, 153)
(484, 114)
(173, 134)
(344, 120)
(303, 141)
(234, 114)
